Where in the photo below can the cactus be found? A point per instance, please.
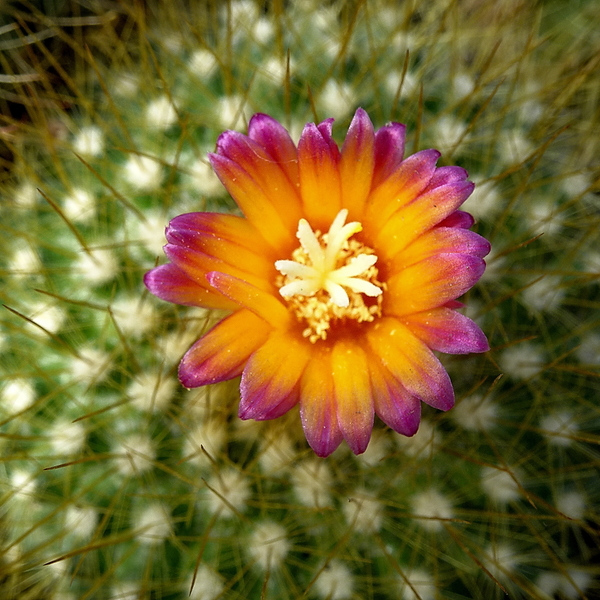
(117, 482)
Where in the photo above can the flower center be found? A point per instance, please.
(330, 278)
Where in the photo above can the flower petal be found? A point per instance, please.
(447, 331)
(222, 353)
(411, 362)
(412, 220)
(431, 283)
(269, 386)
(275, 139)
(215, 233)
(458, 218)
(389, 150)
(234, 261)
(396, 407)
(406, 182)
(260, 302)
(320, 185)
(170, 283)
(446, 175)
(259, 207)
(265, 171)
(440, 240)
(454, 304)
(355, 411)
(357, 163)
(318, 410)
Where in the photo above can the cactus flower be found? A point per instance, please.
(341, 278)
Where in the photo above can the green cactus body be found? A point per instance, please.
(118, 483)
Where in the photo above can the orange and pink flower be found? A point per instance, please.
(341, 278)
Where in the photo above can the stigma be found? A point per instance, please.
(329, 277)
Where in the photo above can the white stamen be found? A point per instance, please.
(309, 242)
(338, 294)
(302, 287)
(358, 265)
(322, 274)
(294, 269)
(363, 287)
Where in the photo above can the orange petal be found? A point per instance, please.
(411, 362)
(269, 386)
(256, 203)
(412, 220)
(410, 178)
(275, 139)
(318, 410)
(431, 283)
(204, 242)
(222, 353)
(320, 185)
(170, 283)
(357, 164)
(241, 264)
(283, 194)
(206, 231)
(260, 302)
(353, 394)
(440, 240)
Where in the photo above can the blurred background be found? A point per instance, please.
(117, 483)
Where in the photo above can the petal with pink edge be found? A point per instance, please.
(320, 184)
(389, 150)
(454, 304)
(268, 174)
(217, 235)
(353, 394)
(239, 264)
(318, 410)
(257, 205)
(446, 175)
(431, 283)
(170, 283)
(411, 362)
(448, 331)
(396, 407)
(459, 219)
(276, 141)
(400, 189)
(222, 353)
(269, 386)
(357, 163)
(440, 240)
(426, 211)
